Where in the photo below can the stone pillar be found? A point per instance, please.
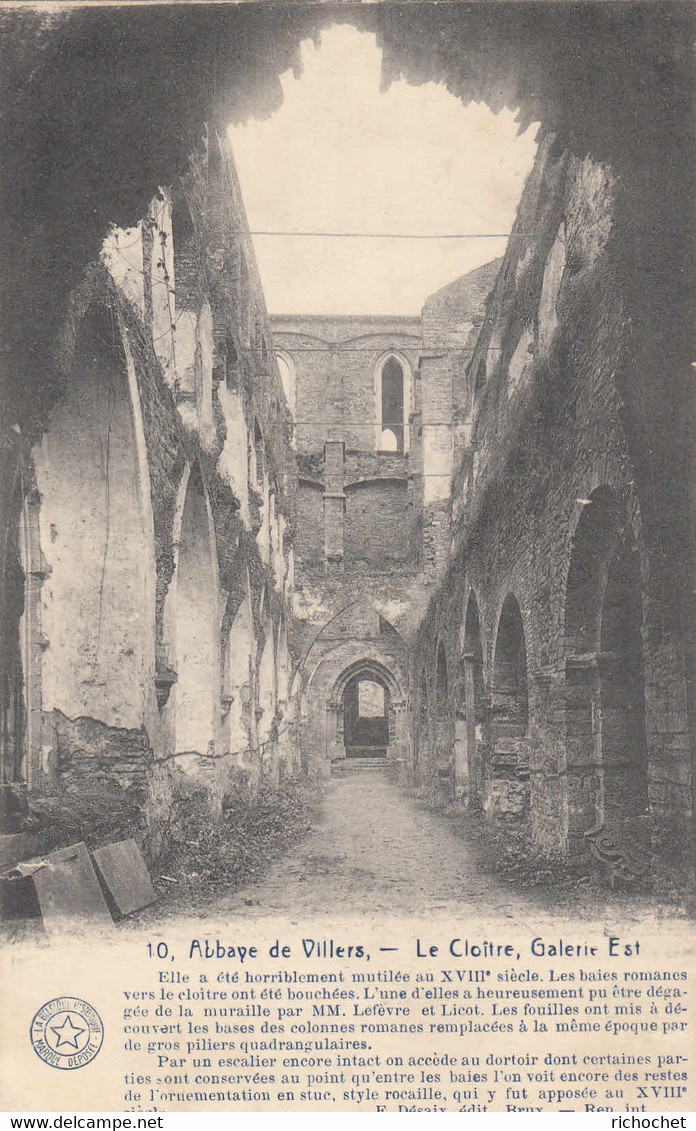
(334, 502)
(466, 774)
(461, 755)
(398, 732)
(335, 748)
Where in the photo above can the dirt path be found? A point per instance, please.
(374, 850)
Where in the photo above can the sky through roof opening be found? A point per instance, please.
(341, 157)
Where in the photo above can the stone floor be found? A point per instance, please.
(374, 849)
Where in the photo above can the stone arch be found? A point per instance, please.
(506, 787)
(393, 377)
(357, 638)
(260, 483)
(96, 525)
(509, 688)
(622, 689)
(605, 732)
(324, 702)
(193, 623)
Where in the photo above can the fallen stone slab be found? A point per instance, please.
(65, 886)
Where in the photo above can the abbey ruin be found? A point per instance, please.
(242, 542)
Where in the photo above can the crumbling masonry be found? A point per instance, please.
(459, 542)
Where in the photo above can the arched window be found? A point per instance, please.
(392, 410)
(510, 699)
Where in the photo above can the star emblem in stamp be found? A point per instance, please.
(67, 1032)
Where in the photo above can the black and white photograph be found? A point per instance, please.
(347, 556)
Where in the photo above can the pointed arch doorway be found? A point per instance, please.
(366, 709)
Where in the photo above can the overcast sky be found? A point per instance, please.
(341, 157)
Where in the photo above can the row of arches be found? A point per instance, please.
(507, 701)
(480, 712)
(255, 686)
(111, 622)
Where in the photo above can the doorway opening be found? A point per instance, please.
(366, 718)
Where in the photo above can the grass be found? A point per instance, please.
(508, 852)
(198, 853)
(203, 854)
(97, 818)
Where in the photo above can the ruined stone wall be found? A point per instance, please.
(378, 525)
(334, 361)
(369, 521)
(355, 510)
(549, 441)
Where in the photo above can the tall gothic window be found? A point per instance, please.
(392, 406)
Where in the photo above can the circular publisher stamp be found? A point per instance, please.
(67, 1032)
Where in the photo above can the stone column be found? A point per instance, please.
(465, 768)
(398, 732)
(334, 735)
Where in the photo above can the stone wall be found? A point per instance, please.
(379, 523)
(153, 520)
(548, 444)
(355, 508)
(371, 521)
